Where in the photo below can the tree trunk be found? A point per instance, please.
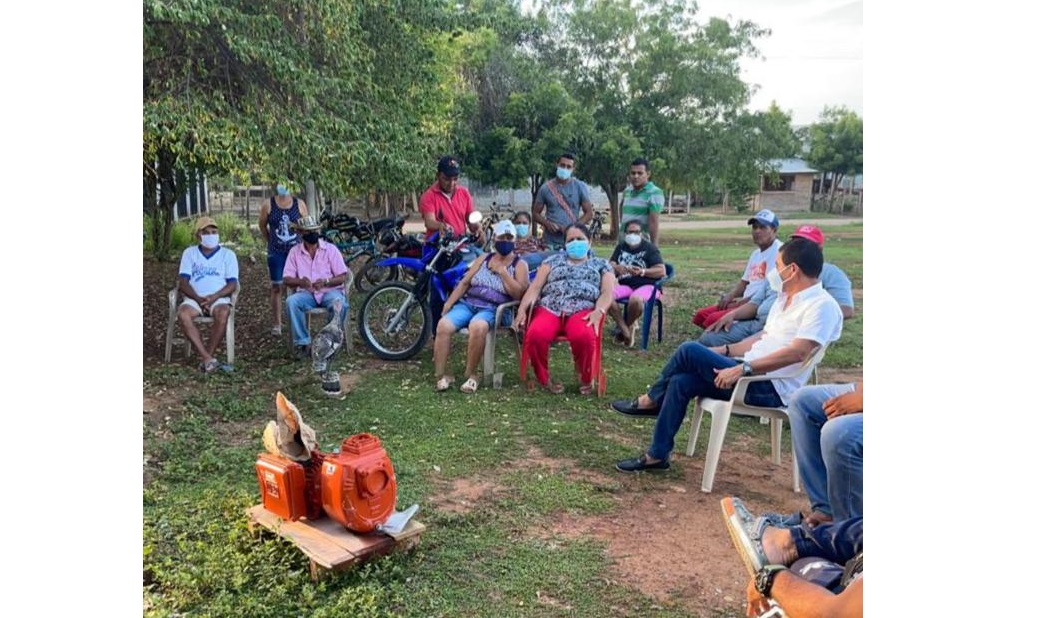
(612, 191)
(167, 202)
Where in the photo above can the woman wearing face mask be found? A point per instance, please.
(498, 278)
(528, 247)
(277, 219)
(572, 293)
(637, 264)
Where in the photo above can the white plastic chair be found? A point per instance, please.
(489, 373)
(722, 410)
(171, 326)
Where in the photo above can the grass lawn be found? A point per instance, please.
(497, 474)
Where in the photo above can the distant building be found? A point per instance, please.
(790, 190)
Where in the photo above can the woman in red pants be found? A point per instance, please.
(571, 294)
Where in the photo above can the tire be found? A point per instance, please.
(380, 307)
(367, 275)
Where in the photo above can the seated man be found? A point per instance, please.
(826, 429)
(317, 270)
(763, 259)
(638, 265)
(208, 277)
(806, 571)
(749, 317)
(803, 318)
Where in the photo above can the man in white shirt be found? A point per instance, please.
(763, 259)
(208, 277)
(803, 318)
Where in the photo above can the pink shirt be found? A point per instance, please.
(326, 263)
(452, 211)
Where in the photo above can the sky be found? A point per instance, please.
(812, 59)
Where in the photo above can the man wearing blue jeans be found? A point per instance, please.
(803, 318)
(826, 429)
(317, 270)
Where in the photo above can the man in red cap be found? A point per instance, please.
(749, 318)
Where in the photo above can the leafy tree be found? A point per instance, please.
(835, 145)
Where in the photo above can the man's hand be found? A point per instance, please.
(724, 300)
(848, 403)
(553, 227)
(726, 378)
(206, 301)
(724, 322)
(306, 284)
(756, 604)
(446, 230)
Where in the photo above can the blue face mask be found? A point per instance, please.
(577, 248)
(283, 190)
(504, 247)
(522, 230)
(563, 174)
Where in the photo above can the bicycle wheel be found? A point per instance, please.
(393, 323)
(367, 274)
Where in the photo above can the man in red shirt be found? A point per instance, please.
(445, 205)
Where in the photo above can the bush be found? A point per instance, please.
(181, 236)
(234, 232)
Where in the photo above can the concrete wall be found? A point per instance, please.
(797, 200)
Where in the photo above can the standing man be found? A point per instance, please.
(208, 277)
(276, 221)
(561, 202)
(445, 205)
(643, 200)
(803, 318)
(638, 266)
(317, 271)
(763, 259)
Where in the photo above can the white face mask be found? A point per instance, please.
(210, 241)
(774, 280)
(633, 240)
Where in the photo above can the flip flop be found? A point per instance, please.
(470, 386)
(586, 389)
(634, 330)
(443, 384)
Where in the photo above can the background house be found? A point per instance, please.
(790, 190)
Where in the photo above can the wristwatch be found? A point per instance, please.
(747, 369)
(764, 578)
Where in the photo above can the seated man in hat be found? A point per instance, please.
(208, 278)
(763, 259)
(317, 270)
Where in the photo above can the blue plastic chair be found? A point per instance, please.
(647, 312)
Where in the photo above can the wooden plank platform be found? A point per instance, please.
(329, 545)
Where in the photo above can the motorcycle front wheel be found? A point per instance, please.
(367, 274)
(394, 324)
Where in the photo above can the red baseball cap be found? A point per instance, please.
(810, 232)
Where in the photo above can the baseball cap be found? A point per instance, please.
(203, 223)
(765, 216)
(448, 166)
(810, 232)
(504, 227)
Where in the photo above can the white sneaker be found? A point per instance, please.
(276, 331)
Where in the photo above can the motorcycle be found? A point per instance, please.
(359, 241)
(397, 318)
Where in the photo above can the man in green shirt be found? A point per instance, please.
(643, 200)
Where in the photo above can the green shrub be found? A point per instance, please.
(182, 235)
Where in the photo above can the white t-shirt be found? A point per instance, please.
(759, 263)
(208, 274)
(813, 314)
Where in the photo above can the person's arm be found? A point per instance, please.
(302, 207)
(539, 211)
(184, 285)
(654, 227)
(431, 222)
(619, 270)
(264, 215)
(462, 286)
(847, 403)
(800, 598)
(796, 353)
(746, 311)
(602, 304)
(291, 272)
(735, 294)
(339, 271)
(587, 209)
(515, 286)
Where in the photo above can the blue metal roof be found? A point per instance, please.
(791, 166)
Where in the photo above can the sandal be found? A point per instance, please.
(586, 389)
(470, 386)
(443, 384)
(633, 335)
(554, 388)
(210, 366)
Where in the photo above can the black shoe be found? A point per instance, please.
(302, 352)
(639, 464)
(631, 408)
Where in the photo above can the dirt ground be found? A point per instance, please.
(671, 544)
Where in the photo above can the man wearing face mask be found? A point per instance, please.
(803, 318)
(208, 277)
(276, 221)
(561, 202)
(317, 270)
(637, 264)
(643, 201)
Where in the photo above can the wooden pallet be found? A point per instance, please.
(329, 545)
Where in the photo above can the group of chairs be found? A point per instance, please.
(721, 411)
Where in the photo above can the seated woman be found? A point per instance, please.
(575, 293)
(530, 249)
(638, 266)
(493, 279)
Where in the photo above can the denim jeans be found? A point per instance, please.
(300, 303)
(740, 330)
(829, 451)
(839, 541)
(688, 374)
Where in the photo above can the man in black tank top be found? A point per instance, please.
(276, 226)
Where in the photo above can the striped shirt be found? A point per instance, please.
(638, 204)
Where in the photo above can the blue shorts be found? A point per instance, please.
(463, 313)
(276, 266)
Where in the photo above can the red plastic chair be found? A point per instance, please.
(598, 373)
